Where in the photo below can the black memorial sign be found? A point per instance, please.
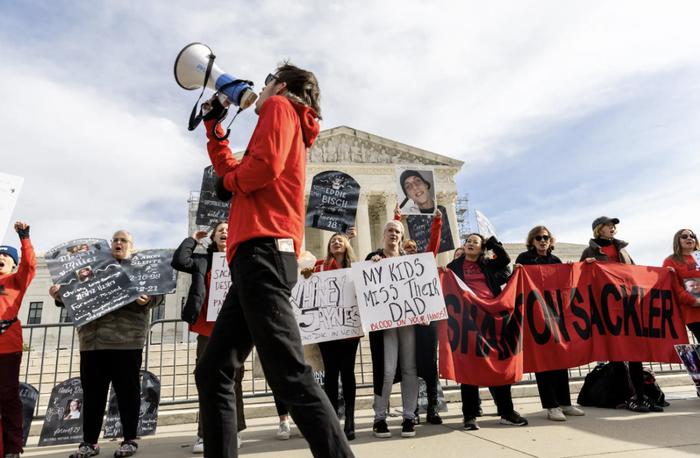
(419, 230)
(148, 414)
(62, 422)
(150, 272)
(332, 201)
(29, 397)
(92, 283)
(210, 209)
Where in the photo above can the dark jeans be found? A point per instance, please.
(202, 342)
(10, 404)
(554, 388)
(339, 359)
(426, 359)
(470, 400)
(695, 329)
(97, 369)
(257, 312)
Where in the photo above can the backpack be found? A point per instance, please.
(652, 390)
(607, 385)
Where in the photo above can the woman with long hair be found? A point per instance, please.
(194, 312)
(485, 277)
(339, 355)
(553, 386)
(685, 243)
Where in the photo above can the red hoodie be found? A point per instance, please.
(268, 182)
(12, 289)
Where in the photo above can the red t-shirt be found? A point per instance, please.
(611, 252)
(202, 326)
(475, 279)
(686, 269)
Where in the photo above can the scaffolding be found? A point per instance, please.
(462, 209)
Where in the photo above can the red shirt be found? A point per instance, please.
(611, 252)
(475, 279)
(202, 326)
(12, 289)
(321, 265)
(268, 182)
(686, 269)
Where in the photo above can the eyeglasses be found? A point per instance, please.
(539, 238)
(270, 78)
(689, 236)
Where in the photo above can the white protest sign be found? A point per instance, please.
(485, 227)
(10, 187)
(325, 307)
(398, 291)
(218, 285)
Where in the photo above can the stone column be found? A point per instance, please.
(389, 205)
(363, 241)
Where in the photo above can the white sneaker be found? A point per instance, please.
(198, 446)
(556, 414)
(573, 411)
(283, 431)
(238, 439)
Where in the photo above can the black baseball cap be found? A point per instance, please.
(604, 220)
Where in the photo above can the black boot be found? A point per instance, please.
(433, 416)
(349, 427)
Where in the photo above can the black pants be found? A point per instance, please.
(426, 359)
(10, 403)
(470, 400)
(554, 388)
(695, 329)
(257, 312)
(339, 359)
(97, 369)
(282, 409)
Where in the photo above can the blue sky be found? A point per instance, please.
(563, 111)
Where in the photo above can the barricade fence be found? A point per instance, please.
(51, 355)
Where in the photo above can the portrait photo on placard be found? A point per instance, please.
(415, 189)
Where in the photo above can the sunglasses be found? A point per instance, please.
(689, 236)
(270, 78)
(539, 238)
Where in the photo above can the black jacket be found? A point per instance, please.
(196, 264)
(495, 270)
(531, 257)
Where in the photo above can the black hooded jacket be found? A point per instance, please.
(196, 264)
(495, 270)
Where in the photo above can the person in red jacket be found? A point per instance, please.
(685, 242)
(266, 227)
(14, 281)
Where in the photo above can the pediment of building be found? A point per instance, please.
(344, 145)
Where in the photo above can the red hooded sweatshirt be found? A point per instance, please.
(268, 182)
(12, 289)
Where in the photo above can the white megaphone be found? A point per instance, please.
(195, 68)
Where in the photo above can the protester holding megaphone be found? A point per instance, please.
(266, 226)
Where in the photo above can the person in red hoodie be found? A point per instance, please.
(14, 281)
(266, 227)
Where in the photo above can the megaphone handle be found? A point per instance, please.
(195, 118)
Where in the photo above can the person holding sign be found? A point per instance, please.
(604, 247)
(339, 355)
(15, 277)
(266, 227)
(485, 277)
(682, 261)
(194, 311)
(553, 386)
(111, 350)
(392, 348)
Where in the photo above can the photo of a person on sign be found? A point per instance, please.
(416, 192)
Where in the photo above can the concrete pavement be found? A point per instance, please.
(616, 433)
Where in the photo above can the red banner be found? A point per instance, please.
(560, 316)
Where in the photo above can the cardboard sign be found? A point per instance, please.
(419, 230)
(325, 307)
(29, 397)
(10, 186)
(399, 291)
(692, 285)
(219, 284)
(148, 414)
(416, 191)
(62, 422)
(150, 272)
(332, 201)
(92, 283)
(210, 209)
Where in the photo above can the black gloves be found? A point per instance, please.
(222, 193)
(217, 111)
(23, 233)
